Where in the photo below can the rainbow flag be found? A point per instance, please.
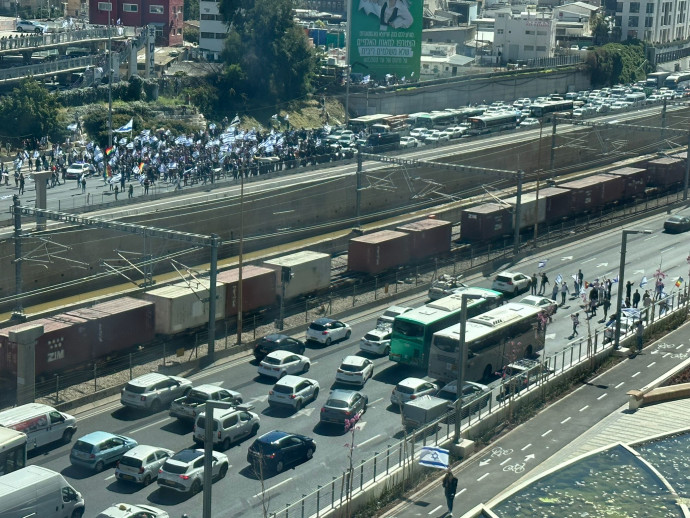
(679, 282)
(141, 166)
(108, 150)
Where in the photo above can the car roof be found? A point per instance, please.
(281, 354)
(354, 360)
(275, 337)
(413, 382)
(208, 388)
(381, 331)
(126, 510)
(187, 456)
(323, 321)
(148, 379)
(342, 394)
(273, 436)
(141, 451)
(96, 437)
(506, 273)
(291, 381)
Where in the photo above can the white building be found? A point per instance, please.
(441, 60)
(528, 35)
(212, 30)
(654, 21)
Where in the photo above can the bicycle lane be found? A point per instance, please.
(518, 453)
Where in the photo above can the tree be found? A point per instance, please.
(617, 63)
(30, 112)
(191, 12)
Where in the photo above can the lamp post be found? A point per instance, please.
(241, 251)
(210, 406)
(536, 201)
(461, 361)
(621, 283)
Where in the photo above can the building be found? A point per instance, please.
(654, 21)
(574, 23)
(212, 30)
(440, 60)
(166, 15)
(525, 36)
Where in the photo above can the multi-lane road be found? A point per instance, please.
(240, 493)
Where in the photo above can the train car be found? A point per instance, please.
(635, 180)
(531, 210)
(587, 194)
(666, 172)
(485, 222)
(309, 272)
(428, 237)
(379, 251)
(258, 288)
(557, 204)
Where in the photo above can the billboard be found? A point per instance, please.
(386, 38)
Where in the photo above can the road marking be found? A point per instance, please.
(523, 449)
(636, 374)
(110, 477)
(652, 237)
(371, 439)
(461, 492)
(482, 477)
(547, 432)
(565, 420)
(589, 260)
(273, 487)
(664, 250)
(137, 430)
(681, 345)
(653, 363)
(665, 355)
(602, 396)
(435, 509)
(375, 401)
(502, 463)
(619, 384)
(584, 408)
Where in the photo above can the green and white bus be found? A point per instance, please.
(412, 331)
(494, 339)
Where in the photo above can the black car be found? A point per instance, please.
(677, 224)
(277, 342)
(280, 449)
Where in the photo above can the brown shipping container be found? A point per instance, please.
(377, 252)
(557, 204)
(428, 237)
(258, 288)
(665, 172)
(485, 222)
(119, 324)
(613, 188)
(587, 195)
(635, 179)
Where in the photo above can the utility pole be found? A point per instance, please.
(687, 171)
(18, 313)
(552, 160)
(239, 287)
(358, 175)
(518, 211)
(215, 243)
(461, 362)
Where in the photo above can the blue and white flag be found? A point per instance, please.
(643, 282)
(235, 121)
(366, 79)
(433, 457)
(542, 263)
(615, 280)
(126, 128)
(559, 279)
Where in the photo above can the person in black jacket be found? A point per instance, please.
(450, 485)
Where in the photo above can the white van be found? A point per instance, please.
(40, 492)
(42, 424)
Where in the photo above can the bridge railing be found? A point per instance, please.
(49, 67)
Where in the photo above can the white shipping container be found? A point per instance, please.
(528, 208)
(311, 271)
(184, 306)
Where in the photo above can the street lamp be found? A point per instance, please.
(621, 284)
(461, 361)
(536, 201)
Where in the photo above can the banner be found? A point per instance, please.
(433, 457)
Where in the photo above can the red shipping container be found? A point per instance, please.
(428, 237)
(258, 288)
(635, 179)
(486, 222)
(377, 252)
(557, 204)
(665, 172)
(587, 195)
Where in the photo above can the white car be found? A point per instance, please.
(412, 388)
(154, 391)
(445, 136)
(418, 133)
(133, 511)
(293, 392)
(77, 169)
(141, 464)
(30, 26)
(184, 471)
(457, 131)
(511, 282)
(408, 142)
(327, 331)
(230, 425)
(355, 370)
(545, 303)
(377, 341)
(529, 121)
(281, 363)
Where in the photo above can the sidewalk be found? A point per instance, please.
(594, 415)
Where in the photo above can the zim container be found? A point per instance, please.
(428, 237)
(379, 251)
(310, 272)
(258, 288)
(485, 222)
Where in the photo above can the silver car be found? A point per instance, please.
(293, 392)
(141, 464)
(184, 471)
(154, 391)
(411, 388)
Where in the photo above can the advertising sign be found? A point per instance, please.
(386, 38)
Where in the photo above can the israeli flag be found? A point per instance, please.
(433, 457)
(643, 282)
(542, 263)
(126, 128)
(235, 121)
(559, 279)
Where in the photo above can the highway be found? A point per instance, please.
(239, 494)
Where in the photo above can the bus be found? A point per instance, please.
(12, 450)
(412, 331)
(412, 118)
(437, 120)
(379, 142)
(677, 81)
(365, 122)
(543, 109)
(656, 79)
(494, 339)
(492, 123)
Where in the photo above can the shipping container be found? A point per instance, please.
(379, 251)
(258, 288)
(587, 195)
(612, 187)
(486, 222)
(557, 204)
(666, 172)
(310, 272)
(184, 306)
(528, 209)
(428, 237)
(635, 180)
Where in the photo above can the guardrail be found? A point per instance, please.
(50, 67)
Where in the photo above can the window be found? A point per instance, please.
(619, 7)
(634, 7)
(179, 31)
(648, 22)
(156, 9)
(650, 9)
(633, 21)
(541, 48)
(499, 31)
(221, 35)
(130, 8)
(528, 48)
(529, 33)
(541, 33)
(105, 6)
(207, 35)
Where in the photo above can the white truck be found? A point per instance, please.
(40, 492)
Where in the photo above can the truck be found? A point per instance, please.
(40, 492)
(519, 375)
(423, 410)
(190, 406)
(445, 286)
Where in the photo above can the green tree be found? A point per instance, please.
(191, 34)
(30, 111)
(616, 63)
(191, 10)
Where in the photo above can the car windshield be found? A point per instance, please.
(317, 327)
(371, 338)
(503, 278)
(283, 389)
(135, 389)
(447, 394)
(403, 389)
(173, 467)
(130, 461)
(263, 447)
(201, 423)
(348, 367)
(336, 403)
(82, 446)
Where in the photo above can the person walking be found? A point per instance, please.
(580, 280)
(147, 182)
(450, 485)
(130, 191)
(21, 183)
(636, 298)
(639, 332)
(544, 282)
(607, 306)
(117, 191)
(554, 291)
(576, 322)
(628, 289)
(646, 303)
(83, 184)
(533, 286)
(564, 292)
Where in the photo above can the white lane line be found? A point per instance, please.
(653, 363)
(589, 260)
(482, 477)
(584, 408)
(523, 449)
(621, 383)
(375, 401)
(435, 509)
(602, 396)
(565, 420)
(507, 460)
(370, 439)
(547, 432)
(273, 487)
(665, 355)
(652, 237)
(664, 250)
(680, 346)
(636, 374)
(137, 430)
(110, 477)
(461, 491)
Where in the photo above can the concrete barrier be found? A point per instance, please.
(640, 398)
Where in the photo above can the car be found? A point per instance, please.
(327, 330)
(677, 224)
(377, 341)
(432, 137)
(412, 388)
(133, 511)
(355, 370)
(511, 282)
(389, 315)
(154, 391)
(547, 304)
(293, 392)
(474, 396)
(281, 363)
(418, 133)
(520, 375)
(277, 342)
(230, 425)
(444, 286)
(346, 140)
(445, 136)
(184, 471)
(30, 26)
(342, 405)
(408, 142)
(276, 450)
(77, 169)
(630, 316)
(97, 450)
(187, 407)
(141, 464)
(457, 131)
